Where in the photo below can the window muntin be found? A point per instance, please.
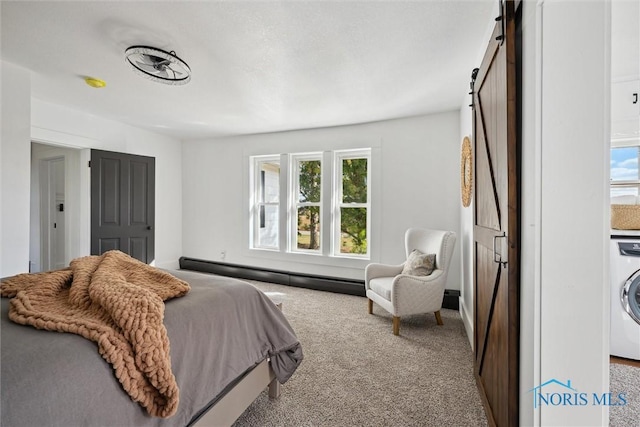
(307, 209)
(352, 203)
(266, 203)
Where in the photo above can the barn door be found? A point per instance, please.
(122, 204)
(496, 225)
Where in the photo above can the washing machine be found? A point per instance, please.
(625, 294)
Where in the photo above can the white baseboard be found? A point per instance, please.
(467, 321)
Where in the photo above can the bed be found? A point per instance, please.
(228, 342)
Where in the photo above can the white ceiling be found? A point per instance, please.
(257, 66)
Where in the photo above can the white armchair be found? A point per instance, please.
(403, 294)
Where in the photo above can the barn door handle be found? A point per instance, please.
(635, 98)
(498, 257)
(500, 19)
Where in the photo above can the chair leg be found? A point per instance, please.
(438, 318)
(370, 306)
(396, 325)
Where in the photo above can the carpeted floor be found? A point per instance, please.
(357, 373)
(625, 379)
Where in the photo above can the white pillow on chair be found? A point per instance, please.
(419, 264)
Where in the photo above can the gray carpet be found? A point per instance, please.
(625, 379)
(357, 373)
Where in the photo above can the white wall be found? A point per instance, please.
(55, 124)
(530, 214)
(415, 170)
(574, 208)
(25, 119)
(15, 149)
(466, 233)
(565, 247)
(466, 214)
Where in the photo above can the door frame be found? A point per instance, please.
(77, 194)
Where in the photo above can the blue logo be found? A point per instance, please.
(557, 393)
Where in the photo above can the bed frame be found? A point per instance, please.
(227, 410)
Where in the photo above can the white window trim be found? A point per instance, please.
(283, 258)
(255, 203)
(338, 157)
(294, 204)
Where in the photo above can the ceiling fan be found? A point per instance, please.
(158, 65)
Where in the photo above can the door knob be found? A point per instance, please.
(149, 227)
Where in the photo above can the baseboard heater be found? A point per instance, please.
(290, 278)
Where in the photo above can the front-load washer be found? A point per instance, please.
(625, 296)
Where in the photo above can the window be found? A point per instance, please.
(307, 208)
(352, 202)
(625, 180)
(325, 208)
(266, 203)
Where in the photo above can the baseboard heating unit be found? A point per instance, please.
(290, 278)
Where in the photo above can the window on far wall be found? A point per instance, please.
(307, 206)
(266, 203)
(326, 210)
(625, 179)
(351, 202)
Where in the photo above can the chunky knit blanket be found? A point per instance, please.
(117, 302)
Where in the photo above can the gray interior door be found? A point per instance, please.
(122, 204)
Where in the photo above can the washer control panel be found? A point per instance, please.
(629, 248)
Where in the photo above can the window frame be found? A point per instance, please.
(258, 204)
(294, 203)
(621, 184)
(338, 158)
(287, 210)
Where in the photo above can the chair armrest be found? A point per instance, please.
(418, 294)
(374, 270)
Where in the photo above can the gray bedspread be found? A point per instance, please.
(221, 329)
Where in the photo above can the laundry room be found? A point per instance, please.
(625, 185)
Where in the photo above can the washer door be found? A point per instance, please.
(630, 296)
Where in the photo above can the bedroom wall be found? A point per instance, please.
(415, 169)
(15, 149)
(466, 214)
(466, 233)
(54, 124)
(25, 119)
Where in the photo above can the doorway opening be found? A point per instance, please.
(55, 207)
(52, 215)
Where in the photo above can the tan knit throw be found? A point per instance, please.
(116, 301)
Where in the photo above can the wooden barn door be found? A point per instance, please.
(496, 225)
